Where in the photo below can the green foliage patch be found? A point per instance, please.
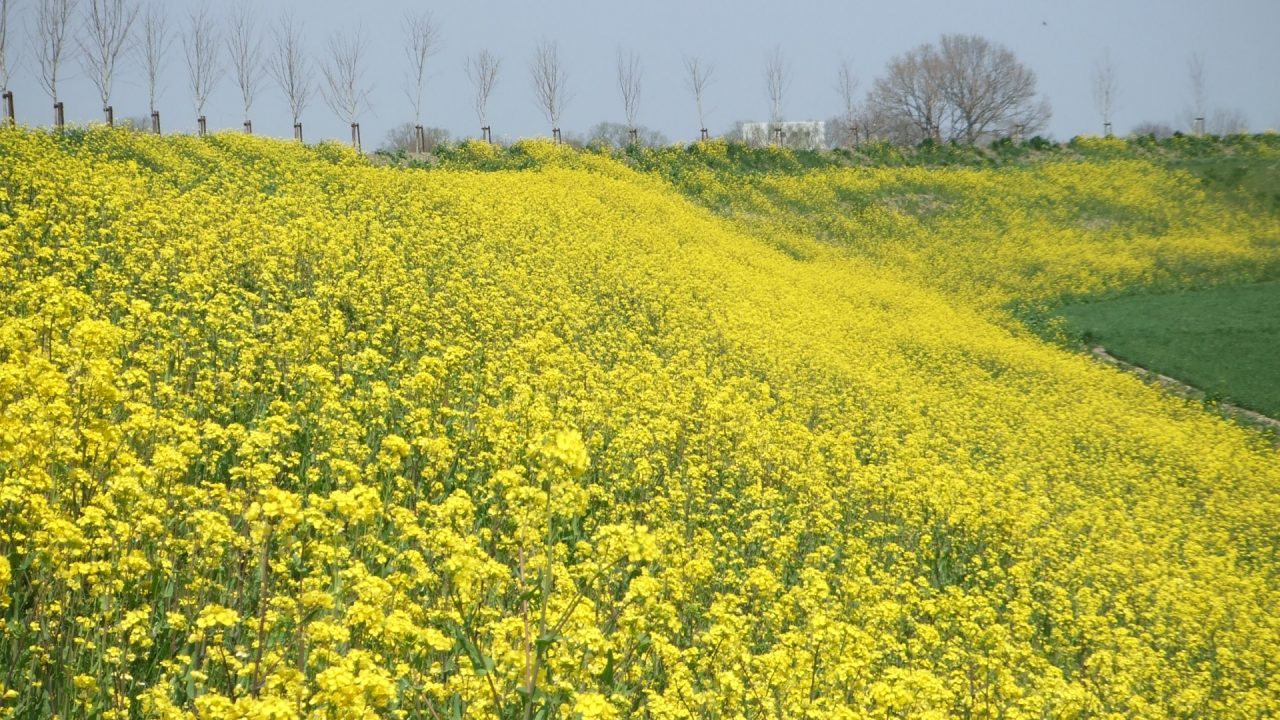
(1225, 340)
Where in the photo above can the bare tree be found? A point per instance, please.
(1228, 121)
(343, 89)
(405, 138)
(987, 88)
(482, 70)
(153, 46)
(106, 32)
(777, 79)
(629, 77)
(421, 42)
(549, 78)
(965, 89)
(244, 44)
(847, 86)
(697, 78)
(618, 135)
(911, 93)
(1157, 130)
(1195, 73)
(874, 124)
(49, 38)
(200, 45)
(5, 68)
(1104, 89)
(288, 66)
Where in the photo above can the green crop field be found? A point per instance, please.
(1225, 341)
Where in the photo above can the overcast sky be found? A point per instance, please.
(1150, 45)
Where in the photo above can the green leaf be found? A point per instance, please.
(545, 641)
(606, 677)
(454, 708)
(483, 665)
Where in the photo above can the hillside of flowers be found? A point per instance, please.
(1095, 217)
(284, 434)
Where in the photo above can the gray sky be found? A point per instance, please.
(1150, 44)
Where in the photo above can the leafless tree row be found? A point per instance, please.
(962, 88)
(113, 28)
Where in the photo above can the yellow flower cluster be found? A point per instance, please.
(286, 435)
(991, 236)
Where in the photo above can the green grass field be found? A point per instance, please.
(1225, 341)
(1239, 180)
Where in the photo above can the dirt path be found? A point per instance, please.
(1187, 391)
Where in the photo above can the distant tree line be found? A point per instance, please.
(963, 88)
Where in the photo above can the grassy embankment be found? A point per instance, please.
(1223, 340)
(1058, 233)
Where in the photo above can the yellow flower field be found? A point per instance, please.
(283, 435)
(987, 237)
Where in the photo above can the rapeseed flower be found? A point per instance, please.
(284, 434)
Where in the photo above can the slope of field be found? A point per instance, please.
(1225, 340)
(1104, 223)
(284, 435)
